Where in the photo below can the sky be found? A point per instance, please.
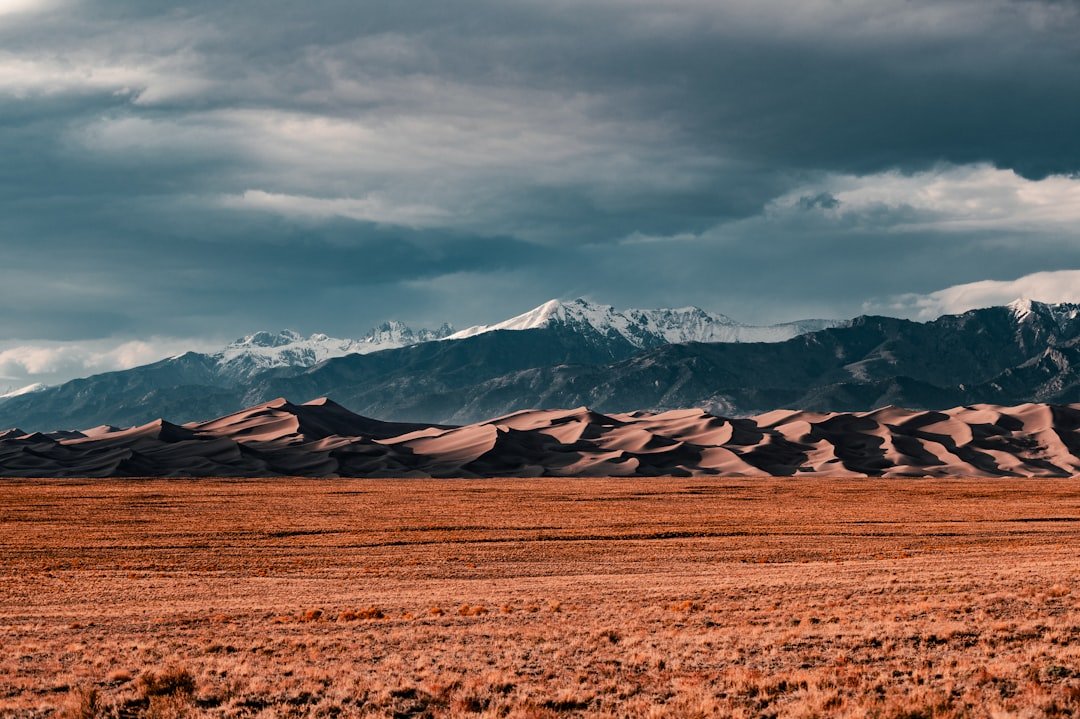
(174, 175)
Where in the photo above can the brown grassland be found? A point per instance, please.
(897, 599)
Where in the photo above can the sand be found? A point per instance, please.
(323, 439)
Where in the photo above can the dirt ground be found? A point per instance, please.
(540, 598)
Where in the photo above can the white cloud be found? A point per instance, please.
(52, 362)
(13, 7)
(947, 198)
(372, 208)
(146, 81)
(1052, 287)
(23, 76)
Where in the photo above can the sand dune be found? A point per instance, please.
(323, 439)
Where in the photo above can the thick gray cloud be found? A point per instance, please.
(203, 169)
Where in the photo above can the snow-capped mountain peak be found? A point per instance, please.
(647, 328)
(398, 334)
(288, 348)
(392, 331)
(1023, 308)
(1020, 307)
(1039, 321)
(269, 339)
(581, 312)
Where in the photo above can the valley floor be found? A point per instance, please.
(540, 598)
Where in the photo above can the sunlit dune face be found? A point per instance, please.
(323, 439)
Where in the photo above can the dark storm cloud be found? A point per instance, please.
(186, 285)
(206, 168)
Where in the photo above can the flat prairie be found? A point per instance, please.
(900, 599)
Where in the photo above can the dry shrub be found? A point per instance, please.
(118, 676)
(409, 701)
(469, 704)
(351, 615)
(1058, 590)
(169, 693)
(82, 703)
(172, 706)
(528, 710)
(472, 611)
(173, 681)
(611, 636)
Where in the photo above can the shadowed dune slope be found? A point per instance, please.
(323, 439)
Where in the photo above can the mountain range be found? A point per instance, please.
(248, 356)
(581, 354)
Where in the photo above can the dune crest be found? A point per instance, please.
(323, 439)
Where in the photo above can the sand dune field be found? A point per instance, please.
(323, 439)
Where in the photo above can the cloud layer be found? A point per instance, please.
(51, 362)
(945, 199)
(1051, 287)
(206, 169)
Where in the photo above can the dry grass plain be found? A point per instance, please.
(540, 598)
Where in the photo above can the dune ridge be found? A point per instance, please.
(323, 439)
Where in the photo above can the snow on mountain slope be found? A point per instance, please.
(36, 387)
(647, 328)
(1024, 309)
(266, 350)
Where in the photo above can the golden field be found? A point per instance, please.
(540, 598)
